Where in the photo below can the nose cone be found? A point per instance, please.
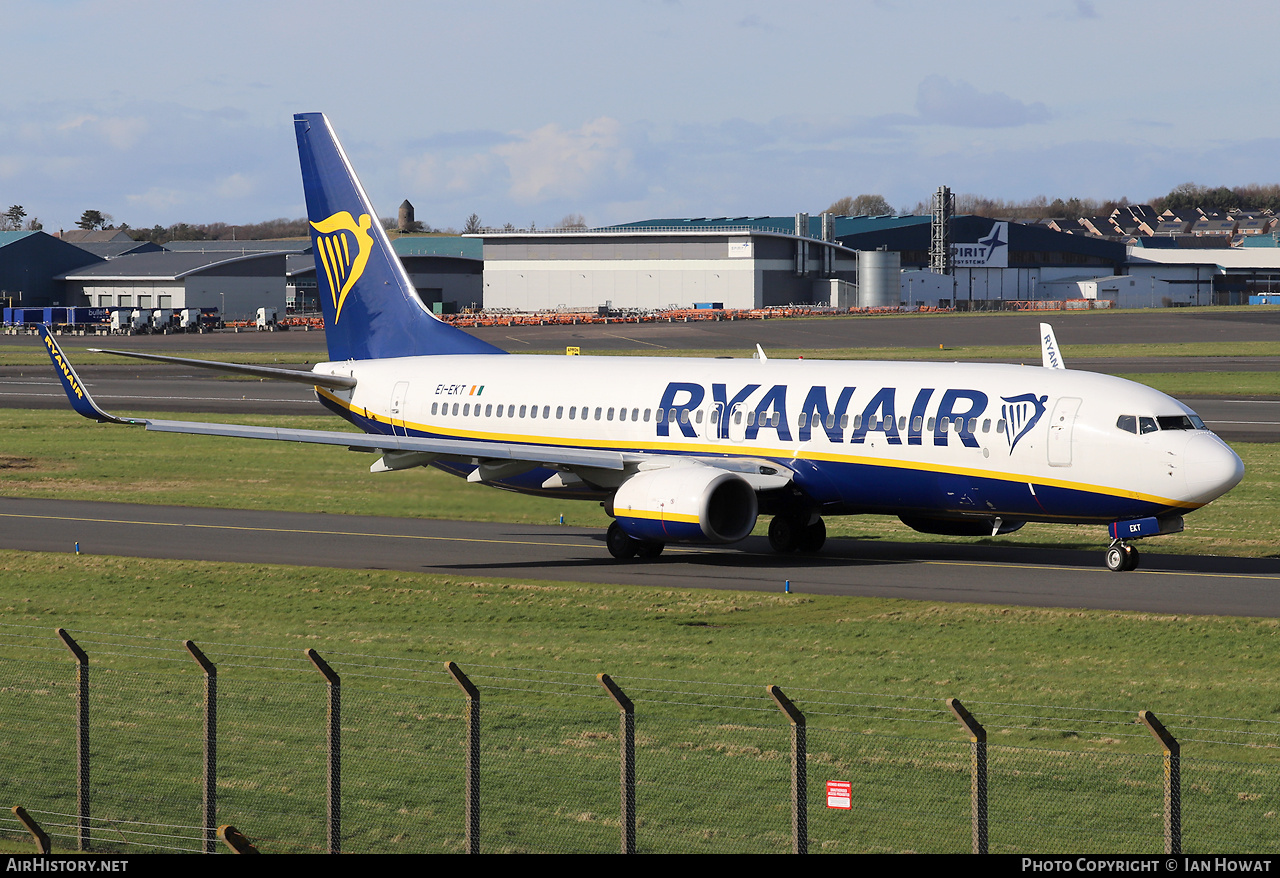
(1211, 467)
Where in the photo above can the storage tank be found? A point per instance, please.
(879, 279)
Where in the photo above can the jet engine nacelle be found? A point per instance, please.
(696, 504)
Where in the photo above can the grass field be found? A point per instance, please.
(1058, 691)
(61, 455)
(1054, 687)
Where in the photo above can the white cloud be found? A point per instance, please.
(943, 102)
(122, 132)
(551, 163)
(157, 199)
(462, 175)
(236, 186)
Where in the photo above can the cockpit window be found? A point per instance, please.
(1178, 422)
(1132, 424)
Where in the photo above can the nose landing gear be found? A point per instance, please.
(1121, 556)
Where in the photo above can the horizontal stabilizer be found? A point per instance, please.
(318, 379)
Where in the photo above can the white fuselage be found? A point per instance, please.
(889, 437)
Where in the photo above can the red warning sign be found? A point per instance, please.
(839, 794)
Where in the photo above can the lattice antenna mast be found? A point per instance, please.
(944, 204)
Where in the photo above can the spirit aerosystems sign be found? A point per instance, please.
(991, 251)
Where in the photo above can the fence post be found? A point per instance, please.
(472, 796)
(799, 772)
(978, 772)
(335, 749)
(235, 839)
(627, 740)
(82, 739)
(1172, 781)
(210, 746)
(41, 837)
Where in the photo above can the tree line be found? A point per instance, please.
(1255, 196)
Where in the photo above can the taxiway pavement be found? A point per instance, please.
(988, 574)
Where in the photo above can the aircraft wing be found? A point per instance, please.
(550, 455)
(400, 451)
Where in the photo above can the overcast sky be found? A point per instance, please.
(527, 111)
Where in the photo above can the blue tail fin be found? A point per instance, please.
(371, 310)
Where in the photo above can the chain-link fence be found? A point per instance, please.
(138, 746)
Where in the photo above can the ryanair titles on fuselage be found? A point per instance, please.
(957, 412)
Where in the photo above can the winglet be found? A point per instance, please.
(1050, 356)
(77, 393)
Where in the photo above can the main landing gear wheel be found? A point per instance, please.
(650, 549)
(812, 537)
(624, 547)
(621, 546)
(783, 534)
(1121, 557)
(789, 534)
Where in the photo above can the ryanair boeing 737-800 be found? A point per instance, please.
(695, 450)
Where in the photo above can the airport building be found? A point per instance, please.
(756, 262)
(30, 263)
(236, 283)
(742, 262)
(730, 262)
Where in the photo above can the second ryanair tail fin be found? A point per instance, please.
(371, 310)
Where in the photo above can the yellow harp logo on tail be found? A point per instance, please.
(343, 245)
